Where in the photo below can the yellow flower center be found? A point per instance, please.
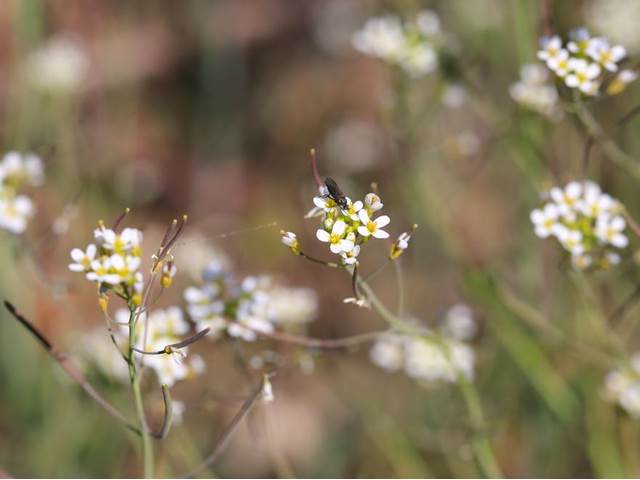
(372, 227)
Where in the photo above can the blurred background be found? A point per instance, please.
(210, 108)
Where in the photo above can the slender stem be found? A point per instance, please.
(481, 445)
(147, 447)
(229, 430)
(609, 147)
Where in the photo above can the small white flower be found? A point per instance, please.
(567, 199)
(289, 239)
(418, 60)
(15, 213)
(580, 40)
(609, 230)
(428, 23)
(373, 202)
(583, 76)
(352, 209)
(336, 238)
(571, 240)
(82, 260)
(102, 272)
(381, 37)
(388, 352)
(550, 46)
(545, 220)
(351, 257)
(459, 323)
(560, 63)
(373, 227)
(607, 56)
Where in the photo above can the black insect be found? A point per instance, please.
(335, 193)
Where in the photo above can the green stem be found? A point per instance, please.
(147, 447)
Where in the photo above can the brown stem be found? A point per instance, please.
(322, 343)
(314, 167)
(229, 430)
(65, 362)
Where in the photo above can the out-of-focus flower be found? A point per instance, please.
(388, 352)
(409, 45)
(428, 358)
(622, 385)
(454, 96)
(585, 63)
(586, 222)
(620, 81)
(440, 360)
(583, 76)
(292, 306)
(459, 323)
(61, 64)
(244, 309)
(16, 171)
(533, 91)
(606, 55)
(165, 327)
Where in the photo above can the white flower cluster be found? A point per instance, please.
(535, 92)
(432, 356)
(244, 309)
(165, 327)
(17, 171)
(587, 223)
(410, 45)
(113, 261)
(622, 385)
(586, 62)
(345, 230)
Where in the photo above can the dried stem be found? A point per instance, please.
(168, 414)
(229, 430)
(314, 167)
(323, 343)
(66, 364)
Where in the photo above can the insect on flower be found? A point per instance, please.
(335, 193)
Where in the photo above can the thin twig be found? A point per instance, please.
(323, 343)
(229, 430)
(65, 362)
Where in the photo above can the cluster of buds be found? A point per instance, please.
(247, 308)
(534, 91)
(17, 171)
(431, 356)
(411, 45)
(587, 222)
(587, 63)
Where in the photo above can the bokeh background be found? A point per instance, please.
(209, 108)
